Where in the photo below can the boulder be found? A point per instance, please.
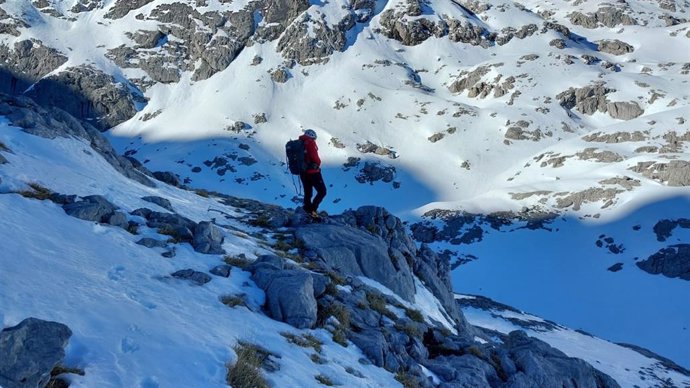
(624, 110)
(372, 343)
(91, 208)
(118, 219)
(290, 292)
(355, 252)
(615, 47)
(290, 298)
(152, 243)
(208, 238)
(194, 277)
(222, 270)
(30, 351)
(162, 202)
(167, 177)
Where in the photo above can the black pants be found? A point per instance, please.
(310, 182)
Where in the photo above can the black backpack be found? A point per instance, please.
(294, 150)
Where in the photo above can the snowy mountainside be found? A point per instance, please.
(454, 104)
(517, 136)
(650, 369)
(144, 312)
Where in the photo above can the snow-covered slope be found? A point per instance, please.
(577, 108)
(628, 366)
(470, 98)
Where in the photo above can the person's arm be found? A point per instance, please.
(313, 154)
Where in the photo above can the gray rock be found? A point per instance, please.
(25, 64)
(280, 75)
(373, 344)
(434, 272)
(607, 16)
(162, 202)
(30, 351)
(587, 100)
(664, 228)
(86, 93)
(672, 261)
(118, 219)
(615, 47)
(617, 137)
(166, 221)
(542, 365)
(290, 298)
(312, 40)
(624, 110)
(122, 8)
(355, 252)
(195, 277)
(167, 177)
(222, 270)
(152, 243)
(673, 173)
(92, 208)
(605, 156)
(376, 171)
(208, 238)
(593, 194)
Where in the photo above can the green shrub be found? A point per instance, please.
(409, 328)
(339, 337)
(406, 379)
(202, 193)
(377, 302)
(261, 220)
(317, 359)
(325, 380)
(475, 351)
(240, 261)
(304, 341)
(233, 300)
(245, 372)
(171, 232)
(37, 192)
(414, 315)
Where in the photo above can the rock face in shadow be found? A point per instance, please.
(53, 122)
(672, 261)
(25, 63)
(30, 350)
(86, 93)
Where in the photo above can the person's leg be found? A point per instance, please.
(308, 191)
(320, 186)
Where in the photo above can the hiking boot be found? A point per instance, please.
(313, 214)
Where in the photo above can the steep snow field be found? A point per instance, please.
(561, 274)
(479, 153)
(134, 325)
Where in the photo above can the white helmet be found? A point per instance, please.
(310, 133)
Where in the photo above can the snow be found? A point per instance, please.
(628, 367)
(133, 324)
(562, 275)
(558, 275)
(424, 301)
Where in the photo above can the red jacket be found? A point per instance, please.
(312, 154)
